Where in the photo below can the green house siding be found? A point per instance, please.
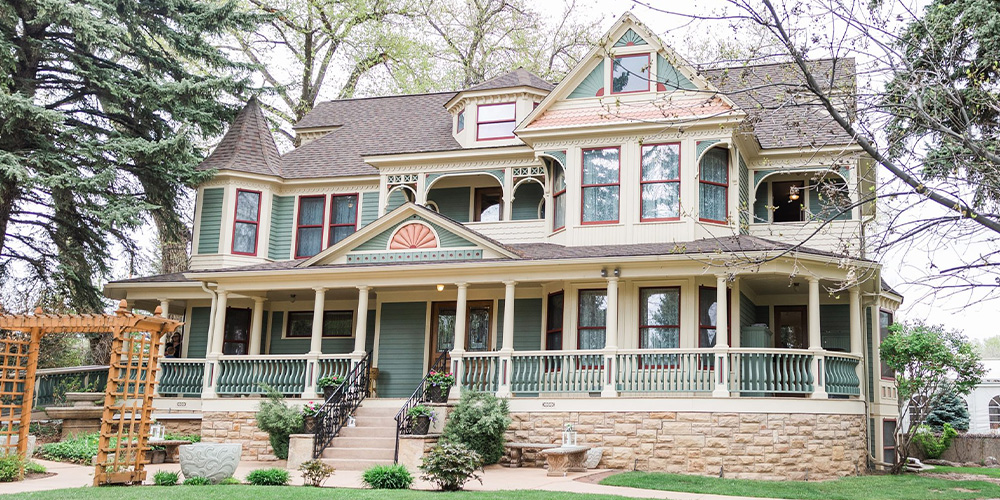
(448, 239)
(301, 345)
(211, 220)
(820, 204)
(369, 208)
(704, 145)
(526, 200)
(748, 311)
(280, 240)
(527, 324)
(452, 202)
(744, 196)
(197, 337)
(401, 348)
(591, 86)
(670, 77)
(835, 326)
(396, 199)
(760, 211)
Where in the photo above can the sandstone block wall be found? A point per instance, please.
(237, 427)
(184, 427)
(742, 445)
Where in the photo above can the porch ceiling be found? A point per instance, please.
(782, 284)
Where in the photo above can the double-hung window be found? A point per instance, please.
(714, 181)
(309, 226)
(600, 185)
(335, 324)
(495, 121)
(592, 318)
(708, 316)
(461, 121)
(343, 217)
(884, 321)
(659, 318)
(661, 182)
(245, 222)
(558, 198)
(630, 74)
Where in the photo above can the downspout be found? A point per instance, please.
(211, 317)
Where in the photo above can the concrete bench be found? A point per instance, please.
(170, 445)
(565, 459)
(515, 451)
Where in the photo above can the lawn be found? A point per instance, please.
(287, 493)
(907, 487)
(979, 471)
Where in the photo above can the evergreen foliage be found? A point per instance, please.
(279, 421)
(479, 421)
(951, 410)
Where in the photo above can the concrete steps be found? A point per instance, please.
(372, 441)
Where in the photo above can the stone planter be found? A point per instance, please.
(437, 394)
(215, 461)
(421, 425)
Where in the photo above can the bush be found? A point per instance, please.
(268, 477)
(387, 477)
(480, 421)
(314, 472)
(164, 478)
(451, 465)
(950, 409)
(80, 449)
(197, 481)
(11, 468)
(933, 445)
(194, 438)
(279, 421)
(35, 468)
(229, 481)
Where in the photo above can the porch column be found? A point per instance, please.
(735, 323)
(219, 333)
(611, 341)
(458, 349)
(164, 307)
(856, 336)
(721, 338)
(361, 332)
(816, 341)
(316, 340)
(256, 325)
(507, 345)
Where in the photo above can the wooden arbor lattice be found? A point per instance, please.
(128, 396)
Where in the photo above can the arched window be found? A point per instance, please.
(995, 413)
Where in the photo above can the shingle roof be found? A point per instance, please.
(781, 111)
(248, 145)
(158, 278)
(520, 77)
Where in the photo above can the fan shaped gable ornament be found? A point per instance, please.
(413, 236)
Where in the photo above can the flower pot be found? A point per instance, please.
(216, 461)
(329, 390)
(437, 394)
(421, 425)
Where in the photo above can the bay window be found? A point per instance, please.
(309, 226)
(245, 222)
(600, 185)
(343, 217)
(592, 318)
(630, 74)
(661, 182)
(495, 121)
(714, 182)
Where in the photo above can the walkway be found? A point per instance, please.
(496, 478)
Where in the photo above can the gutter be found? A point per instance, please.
(215, 298)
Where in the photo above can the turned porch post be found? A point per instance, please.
(507, 345)
(611, 341)
(458, 351)
(816, 341)
(856, 336)
(721, 338)
(361, 332)
(220, 323)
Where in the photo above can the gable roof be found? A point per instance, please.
(520, 77)
(248, 145)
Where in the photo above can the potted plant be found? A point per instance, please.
(440, 383)
(421, 416)
(330, 385)
(310, 411)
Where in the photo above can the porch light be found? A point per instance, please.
(440, 288)
(794, 196)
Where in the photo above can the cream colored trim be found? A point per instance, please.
(699, 405)
(460, 155)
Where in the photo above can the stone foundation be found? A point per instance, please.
(778, 446)
(181, 426)
(237, 427)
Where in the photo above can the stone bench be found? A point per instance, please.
(170, 445)
(515, 451)
(565, 459)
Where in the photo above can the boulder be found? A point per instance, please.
(593, 458)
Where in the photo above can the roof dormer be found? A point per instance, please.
(485, 115)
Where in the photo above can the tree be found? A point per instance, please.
(927, 360)
(989, 347)
(952, 410)
(101, 114)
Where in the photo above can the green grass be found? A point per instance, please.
(979, 471)
(906, 487)
(287, 492)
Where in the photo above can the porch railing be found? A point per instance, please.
(403, 421)
(481, 371)
(556, 371)
(182, 377)
(771, 371)
(842, 376)
(336, 410)
(665, 370)
(51, 384)
(248, 374)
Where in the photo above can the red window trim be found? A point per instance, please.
(555, 201)
(236, 210)
(460, 122)
(561, 330)
(894, 443)
(649, 66)
(330, 225)
(878, 323)
(668, 181)
(288, 324)
(578, 327)
(641, 326)
(299, 226)
(729, 316)
(585, 186)
(726, 186)
(512, 120)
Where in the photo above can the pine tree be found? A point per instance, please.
(951, 409)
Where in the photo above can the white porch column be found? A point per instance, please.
(856, 336)
(256, 325)
(458, 350)
(735, 321)
(162, 347)
(219, 333)
(611, 341)
(508, 195)
(816, 341)
(721, 338)
(507, 345)
(164, 307)
(361, 331)
(215, 340)
(316, 340)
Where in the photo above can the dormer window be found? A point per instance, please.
(495, 121)
(630, 74)
(461, 121)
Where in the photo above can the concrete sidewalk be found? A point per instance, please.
(496, 478)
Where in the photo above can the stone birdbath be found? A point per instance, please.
(215, 461)
(83, 417)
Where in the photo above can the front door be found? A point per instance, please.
(237, 331)
(790, 326)
(477, 335)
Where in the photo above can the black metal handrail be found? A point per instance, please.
(334, 413)
(404, 422)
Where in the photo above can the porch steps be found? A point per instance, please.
(372, 441)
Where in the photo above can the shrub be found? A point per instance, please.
(451, 465)
(933, 445)
(194, 438)
(79, 449)
(314, 472)
(229, 481)
(268, 477)
(279, 421)
(35, 468)
(164, 478)
(11, 468)
(480, 421)
(331, 381)
(197, 481)
(387, 477)
(420, 411)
